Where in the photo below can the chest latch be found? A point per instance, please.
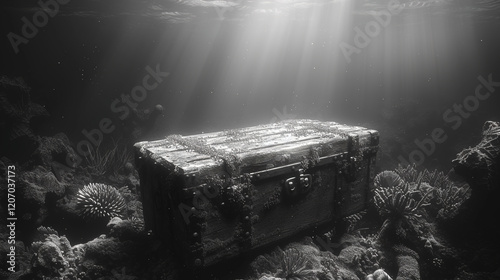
(297, 186)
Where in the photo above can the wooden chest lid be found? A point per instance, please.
(252, 149)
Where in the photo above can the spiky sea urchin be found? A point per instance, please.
(99, 201)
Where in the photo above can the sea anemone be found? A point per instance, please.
(295, 265)
(399, 205)
(99, 201)
(387, 179)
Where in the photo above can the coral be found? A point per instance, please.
(48, 258)
(312, 159)
(299, 261)
(398, 206)
(352, 220)
(351, 254)
(408, 173)
(55, 149)
(128, 229)
(54, 257)
(450, 199)
(133, 207)
(37, 190)
(107, 251)
(480, 165)
(231, 195)
(294, 265)
(387, 179)
(444, 197)
(99, 200)
(38, 183)
(360, 259)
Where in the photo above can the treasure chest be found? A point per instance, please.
(214, 196)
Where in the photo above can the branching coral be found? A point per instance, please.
(445, 197)
(352, 220)
(408, 173)
(450, 199)
(99, 200)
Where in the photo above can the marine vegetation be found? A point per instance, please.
(112, 160)
(387, 179)
(100, 201)
(291, 263)
(400, 206)
(352, 220)
(230, 195)
(411, 202)
(445, 198)
(294, 265)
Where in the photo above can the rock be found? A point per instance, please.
(128, 229)
(480, 165)
(129, 168)
(408, 268)
(53, 257)
(379, 274)
(49, 258)
(114, 222)
(351, 255)
(303, 260)
(38, 190)
(18, 118)
(407, 261)
(22, 257)
(109, 251)
(348, 240)
(40, 182)
(53, 150)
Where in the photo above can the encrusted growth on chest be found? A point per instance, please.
(217, 195)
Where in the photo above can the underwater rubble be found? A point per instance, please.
(407, 233)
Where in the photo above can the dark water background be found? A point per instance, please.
(263, 62)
